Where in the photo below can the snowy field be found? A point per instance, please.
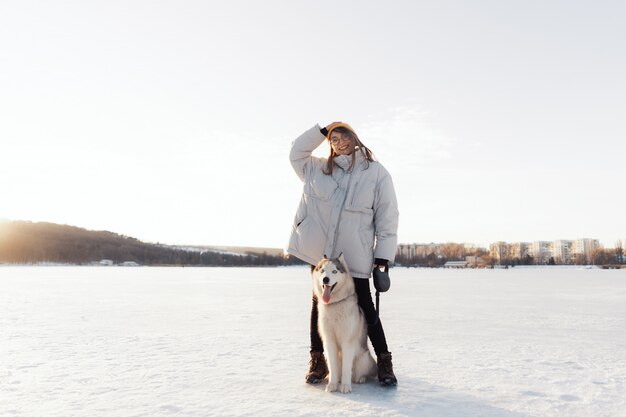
(81, 341)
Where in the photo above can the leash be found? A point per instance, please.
(381, 283)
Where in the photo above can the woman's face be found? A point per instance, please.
(342, 144)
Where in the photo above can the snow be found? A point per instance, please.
(78, 341)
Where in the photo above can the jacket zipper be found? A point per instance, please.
(356, 184)
(343, 203)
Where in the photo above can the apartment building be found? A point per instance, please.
(585, 248)
(417, 250)
(540, 250)
(585, 245)
(406, 251)
(562, 251)
(519, 250)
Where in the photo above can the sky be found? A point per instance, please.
(171, 121)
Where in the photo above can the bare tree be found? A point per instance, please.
(453, 251)
(619, 252)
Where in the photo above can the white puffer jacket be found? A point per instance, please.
(350, 212)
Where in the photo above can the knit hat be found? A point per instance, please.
(339, 124)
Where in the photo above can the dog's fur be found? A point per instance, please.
(342, 326)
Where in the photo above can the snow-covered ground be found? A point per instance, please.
(95, 341)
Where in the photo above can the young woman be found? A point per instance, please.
(348, 206)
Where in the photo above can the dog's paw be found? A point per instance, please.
(345, 388)
(361, 380)
(331, 387)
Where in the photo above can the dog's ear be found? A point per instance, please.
(319, 265)
(343, 263)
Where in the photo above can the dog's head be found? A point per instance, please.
(331, 280)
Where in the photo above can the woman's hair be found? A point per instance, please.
(359, 147)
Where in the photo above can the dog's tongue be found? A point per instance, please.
(326, 295)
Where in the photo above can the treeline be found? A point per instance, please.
(599, 257)
(31, 243)
(437, 255)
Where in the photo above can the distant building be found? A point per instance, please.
(406, 251)
(472, 261)
(583, 249)
(418, 250)
(561, 251)
(503, 251)
(499, 251)
(519, 250)
(456, 264)
(540, 250)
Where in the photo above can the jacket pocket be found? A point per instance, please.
(359, 223)
(301, 214)
(300, 225)
(368, 212)
(321, 187)
(362, 195)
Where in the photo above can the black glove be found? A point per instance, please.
(381, 275)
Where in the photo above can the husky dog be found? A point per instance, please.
(342, 326)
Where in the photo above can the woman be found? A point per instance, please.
(348, 206)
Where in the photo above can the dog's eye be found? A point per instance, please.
(335, 271)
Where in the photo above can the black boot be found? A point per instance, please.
(386, 376)
(317, 368)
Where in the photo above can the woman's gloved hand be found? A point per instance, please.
(381, 275)
(328, 128)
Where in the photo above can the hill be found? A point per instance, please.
(31, 243)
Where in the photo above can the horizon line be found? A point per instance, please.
(465, 243)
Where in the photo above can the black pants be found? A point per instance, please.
(374, 326)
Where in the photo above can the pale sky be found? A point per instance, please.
(171, 121)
